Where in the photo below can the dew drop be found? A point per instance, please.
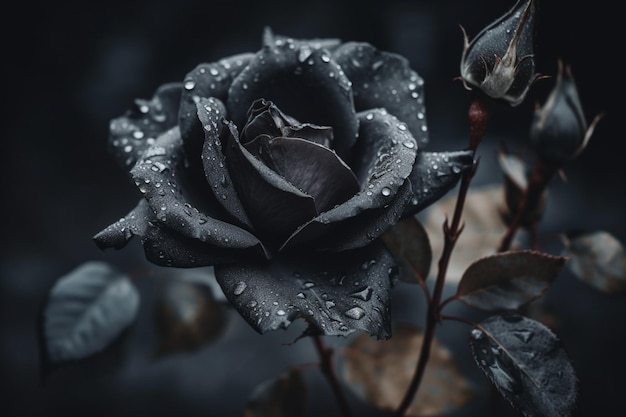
(355, 313)
(190, 84)
(365, 294)
(301, 295)
(280, 312)
(477, 334)
(524, 335)
(409, 144)
(241, 286)
(385, 191)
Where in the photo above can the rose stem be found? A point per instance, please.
(478, 117)
(541, 175)
(326, 366)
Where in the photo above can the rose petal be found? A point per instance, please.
(434, 174)
(130, 135)
(312, 168)
(210, 112)
(338, 294)
(275, 206)
(118, 234)
(160, 176)
(383, 79)
(384, 158)
(271, 39)
(204, 81)
(304, 83)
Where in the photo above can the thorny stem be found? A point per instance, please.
(539, 178)
(327, 368)
(478, 117)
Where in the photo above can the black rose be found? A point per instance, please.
(281, 169)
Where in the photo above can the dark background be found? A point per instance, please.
(70, 68)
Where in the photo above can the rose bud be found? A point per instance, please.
(282, 169)
(559, 130)
(499, 60)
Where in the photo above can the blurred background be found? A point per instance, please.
(71, 67)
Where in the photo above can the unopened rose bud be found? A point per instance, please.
(499, 60)
(559, 130)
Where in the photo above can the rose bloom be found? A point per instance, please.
(281, 169)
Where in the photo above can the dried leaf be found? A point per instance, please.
(508, 280)
(598, 259)
(187, 317)
(527, 364)
(284, 396)
(482, 232)
(380, 372)
(409, 244)
(86, 310)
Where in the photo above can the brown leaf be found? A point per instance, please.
(187, 316)
(284, 396)
(483, 229)
(598, 259)
(409, 244)
(379, 371)
(508, 280)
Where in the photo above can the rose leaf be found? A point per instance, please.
(379, 372)
(527, 364)
(337, 293)
(508, 280)
(187, 316)
(283, 396)
(86, 310)
(409, 243)
(598, 259)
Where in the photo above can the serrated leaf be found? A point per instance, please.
(598, 259)
(527, 364)
(508, 280)
(409, 244)
(86, 310)
(187, 317)
(379, 372)
(284, 396)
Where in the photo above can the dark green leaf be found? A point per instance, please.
(284, 396)
(527, 364)
(86, 310)
(508, 280)
(409, 243)
(598, 259)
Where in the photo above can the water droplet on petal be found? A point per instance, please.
(524, 335)
(356, 313)
(386, 191)
(365, 294)
(477, 334)
(281, 312)
(190, 84)
(241, 286)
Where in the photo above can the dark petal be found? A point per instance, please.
(336, 293)
(160, 176)
(264, 118)
(204, 81)
(118, 234)
(384, 158)
(322, 135)
(275, 206)
(163, 246)
(304, 83)
(210, 113)
(312, 168)
(130, 135)
(383, 79)
(271, 39)
(434, 174)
